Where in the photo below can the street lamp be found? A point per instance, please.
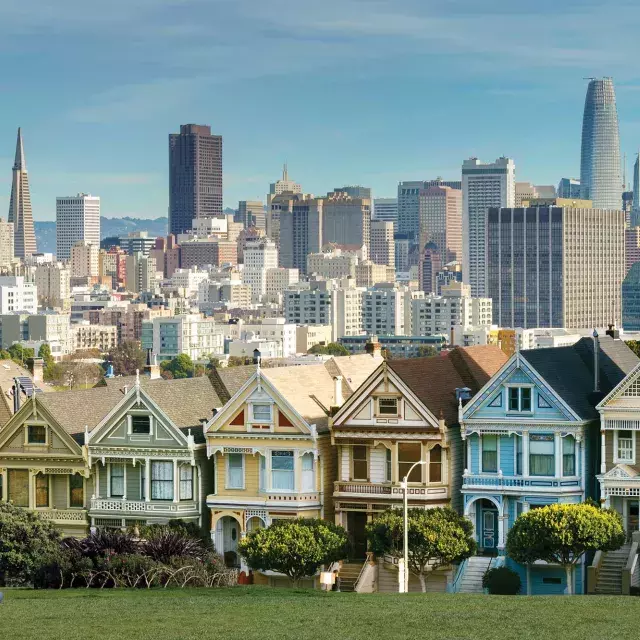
(405, 485)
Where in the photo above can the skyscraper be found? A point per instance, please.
(569, 188)
(346, 219)
(195, 176)
(635, 207)
(20, 213)
(300, 232)
(600, 176)
(383, 249)
(484, 185)
(386, 209)
(284, 185)
(441, 221)
(77, 218)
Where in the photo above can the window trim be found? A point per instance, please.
(519, 410)
(380, 414)
(151, 480)
(35, 490)
(84, 490)
(124, 479)
(191, 480)
(228, 475)
(368, 462)
(555, 455)
(271, 470)
(260, 420)
(420, 468)
(141, 414)
(36, 444)
(497, 437)
(616, 458)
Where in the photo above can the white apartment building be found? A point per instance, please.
(438, 315)
(189, 280)
(385, 209)
(140, 273)
(335, 263)
(308, 303)
(260, 255)
(484, 185)
(383, 248)
(278, 280)
(368, 273)
(383, 310)
(277, 330)
(244, 348)
(309, 335)
(94, 336)
(85, 259)
(192, 334)
(16, 294)
(474, 336)
(6, 244)
(77, 218)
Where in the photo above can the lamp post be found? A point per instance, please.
(405, 485)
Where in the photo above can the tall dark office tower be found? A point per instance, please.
(20, 213)
(195, 176)
(600, 167)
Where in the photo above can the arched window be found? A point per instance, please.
(435, 464)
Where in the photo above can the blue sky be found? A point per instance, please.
(346, 91)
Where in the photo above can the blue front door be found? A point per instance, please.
(489, 528)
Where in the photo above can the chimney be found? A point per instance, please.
(373, 347)
(16, 395)
(37, 369)
(596, 362)
(613, 332)
(337, 391)
(152, 369)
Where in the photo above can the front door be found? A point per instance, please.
(489, 528)
(356, 523)
(633, 516)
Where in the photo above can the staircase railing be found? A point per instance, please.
(629, 570)
(365, 566)
(593, 571)
(454, 587)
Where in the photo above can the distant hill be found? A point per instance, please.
(46, 231)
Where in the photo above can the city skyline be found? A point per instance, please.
(528, 97)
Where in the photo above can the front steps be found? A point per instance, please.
(473, 574)
(349, 574)
(610, 573)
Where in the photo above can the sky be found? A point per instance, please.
(366, 92)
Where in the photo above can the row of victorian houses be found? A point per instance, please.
(497, 436)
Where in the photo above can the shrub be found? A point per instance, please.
(164, 544)
(105, 542)
(64, 567)
(25, 539)
(502, 581)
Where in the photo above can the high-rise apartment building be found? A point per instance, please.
(554, 266)
(77, 218)
(409, 205)
(251, 214)
(383, 249)
(17, 294)
(386, 209)
(569, 188)
(346, 219)
(600, 167)
(53, 283)
(20, 212)
(440, 210)
(85, 261)
(383, 312)
(195, 176)
(7, 250)
(276, 204)
(141, 273)
(484, 185)
(260, 255)
(300, 232)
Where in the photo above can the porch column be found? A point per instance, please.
(3, 485)
(176, 481)
(147, 480)
(469, 464)
(96, 486)
(557, 442)
(394, 463)
(297, 471)
(501, 531)
(32, 488)
(583, 464)
(108, 479)
(525, 453)
(603, 449)
(124, 481)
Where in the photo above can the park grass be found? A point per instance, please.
(260, 612)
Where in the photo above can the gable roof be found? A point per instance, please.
(569, 371)
(227, 381)
(435, 379)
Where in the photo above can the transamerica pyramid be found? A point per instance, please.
(20, 212)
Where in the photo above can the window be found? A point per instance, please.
(141, 424)
(568, 456)
(388, 466)
(541, 454)
(36, 434)
(360, 463)
(162, 480)
(262, 412)
(117, 480)
(408, 454)
(186, 482)
(519, 455)
(308, 476)
(435, 464)
(42, 490)
(18, 489)
(388, 406)
(263, 473)
(520, 399)
(235, 471)
(624, 446)
(490, 454)
(282, 474)
(76, 491)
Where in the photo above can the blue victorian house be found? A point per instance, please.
(531, 439)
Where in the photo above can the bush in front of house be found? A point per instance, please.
(164, 544)
(502, 581)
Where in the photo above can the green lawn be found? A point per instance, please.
(260, 612)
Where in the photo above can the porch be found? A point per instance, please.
(390, 490)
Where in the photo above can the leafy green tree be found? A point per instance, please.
(25, 539)
(634, 345)
(563, 534)
(5, 355)
(20, 354)
(127, 358)
(426, 350)
(45, 353)
(297, 548)
(331, 349)
(180, 367)
(437, 537)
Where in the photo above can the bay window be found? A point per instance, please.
(541, 454)
(624, 446)
(489, 453)
(235, 471)
(435, 464)
(308, 475)
(282, 471)
(568, 456)
(186, 482)
(162, 480)
(117, 480)
(360, 463)
(408, 454)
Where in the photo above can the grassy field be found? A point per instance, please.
(255, 612)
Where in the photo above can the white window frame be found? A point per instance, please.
(130, 424)
(47, 438)
(616, 458)
(379, 413)
(260, 420)
(227, 475)
(271, 470)
(497, 437)
(519, 410)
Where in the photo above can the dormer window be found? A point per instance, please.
(36, 434)
(520, 399)
(141, 425)
(388, 406)
(261, 412)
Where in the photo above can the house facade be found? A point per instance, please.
(405, 412)
(530, 437)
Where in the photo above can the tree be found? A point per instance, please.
(45, 353)
(331, 349)
(239, 361)
(426, 350)
(634, 345)
(20, 354)
(24, 540)
(297, 548)
(127, 358)
(437, 537)
(179, 367)
(73, 373)
(563, 534)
